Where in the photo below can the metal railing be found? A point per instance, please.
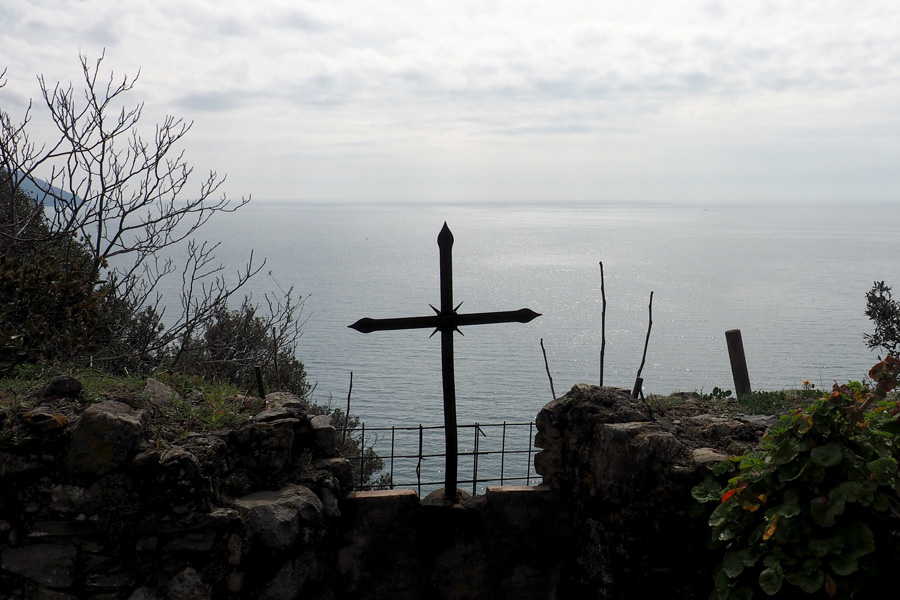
(497, 453)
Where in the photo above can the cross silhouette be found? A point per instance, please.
(447, 320)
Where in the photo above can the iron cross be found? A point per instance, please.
(447, 320)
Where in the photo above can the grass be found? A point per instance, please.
(663, 403)
(776, 403)
(723, 401)
(200, 405)
(204, 406)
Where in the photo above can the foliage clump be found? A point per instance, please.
(817, 508)
(234, 342)
(884, 312)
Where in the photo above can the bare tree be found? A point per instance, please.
(123, 196)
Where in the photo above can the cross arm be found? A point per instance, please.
(439, 321)
(523, 315)
(367, 325)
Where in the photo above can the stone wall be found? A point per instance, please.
(94, 505)
(505, 544)
(624, 473)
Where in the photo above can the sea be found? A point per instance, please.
(792, 277)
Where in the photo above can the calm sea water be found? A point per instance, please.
(792, 278)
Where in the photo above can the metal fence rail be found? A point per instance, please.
(500, 445)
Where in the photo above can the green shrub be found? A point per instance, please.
(233, 342)
(884, 312)
(47, 312)
(817, 508)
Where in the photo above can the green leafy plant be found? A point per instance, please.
(718, 394)
(815, 509)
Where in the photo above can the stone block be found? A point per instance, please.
(379, 554)
(270, 415)
(285, 400)
(263, 446)
(704, 456)
(68, 498)
(47, 564)
(63, 386)
(13, 464)
(341, 468)
(160, 394)
(143, 593)
(277, 517)
(44, 420)
(323, 435)
(628, 459)
(288, 582)
(189, 585)
(192, 542)
(524, 526)
(107, 437)
(61, 529)
(48, 594)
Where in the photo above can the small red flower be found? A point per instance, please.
(730, 493)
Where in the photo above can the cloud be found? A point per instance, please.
(412, 80)
(212, 101)
(298, 19)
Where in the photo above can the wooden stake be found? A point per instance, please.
(638, 382)
(637, 389)
(547, 366)
(602, 324)
(738, 362)
(259, 382)
(347, 418)
(275, 355)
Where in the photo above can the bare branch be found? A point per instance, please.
(127, 198)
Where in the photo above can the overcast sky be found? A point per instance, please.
(437, 100)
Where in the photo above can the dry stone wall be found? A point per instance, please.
(624, 472)
(94, 506)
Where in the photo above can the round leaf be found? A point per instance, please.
(857, 539)
(786, 453)
(770, 580)
(708, 491)
(809, 582)
(828, 455)
(844, 564)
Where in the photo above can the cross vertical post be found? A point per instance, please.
(447, 321)
(448, 375)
